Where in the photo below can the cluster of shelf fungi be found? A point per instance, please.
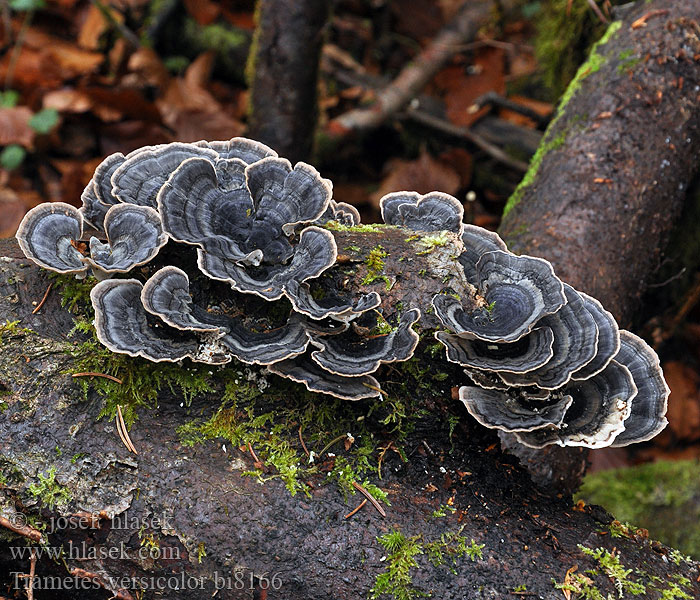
(541, 360)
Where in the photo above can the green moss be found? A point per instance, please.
(549, 143)
(49, 491)
(75, 293)
(396, 580)
(375, 267)
(663, 497)
(565, 34)
(430, 242)
(12, 329)
(368, 228)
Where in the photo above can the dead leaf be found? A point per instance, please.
(67, 101)
(423, 175)
(14, 127)
(93, 27)
(149, 67)
(12, 210)
(205, 12)
(684, 402)
(460, 85)
(541, 108)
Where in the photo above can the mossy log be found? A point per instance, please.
(610, 178)
(222, 496)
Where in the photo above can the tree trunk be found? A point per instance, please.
(283, 71)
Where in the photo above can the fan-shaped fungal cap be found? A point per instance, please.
(518, 292)
(512, 412)
(341, 212)
(598, 412)
(608, 339)
(134, 236)
(139, 178)
(284, 197)
(266, 347)
(315, 252)
(247, 150)
(330, 305)
(432, 212)
(47, 234)
(649, 406)
(477, 242)
(316, 379)
(575, 343)
(350, 354)
(166, 294)
(122, 326)
(521, 356)
(208, 204)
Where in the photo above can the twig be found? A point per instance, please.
(369, 497)
(21, 528)
(375, 388)
(93, 374)
(463, 133)
(17, 48)
(356, 509)
(123, 432)
(252, 453)
(46, 295)
(597, 11)
(497, 100)
(303, 445)
(29, 584)
(414, 76)
(124, 31)
(642, 21)
(329, 444)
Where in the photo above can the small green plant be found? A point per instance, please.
(49, 491)
(375, 267)
(201, 552)
(396, 579)
(474, 551)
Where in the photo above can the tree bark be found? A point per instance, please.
(177, 516)
(610, 178)
(283, 71)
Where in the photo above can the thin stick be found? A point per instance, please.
(252, 453)
(418, 72)
(46, 295)
(303, 445)
(93, 374)
(21, 528)
(375, 388)
(597, 11)
(356, 509)
(124, 434)
(438, 124)
(369, 497)
(329, 444)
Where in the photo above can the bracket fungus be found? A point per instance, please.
(249, 271)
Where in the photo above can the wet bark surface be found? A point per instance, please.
(218, 529)
(617, 160)
(284, 69)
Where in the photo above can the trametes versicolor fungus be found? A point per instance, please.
(541, 359)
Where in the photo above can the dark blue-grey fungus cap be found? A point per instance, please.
(517, 291)
(47, 235)
(435, 211)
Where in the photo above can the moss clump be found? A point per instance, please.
(396, 578)
(141, 380)
(12, 329)
(375, 267)
(565, 34)
(663, 497)
(430, 242)
(49, 491)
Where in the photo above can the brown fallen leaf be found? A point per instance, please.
(12, 210)
(460, 84)
(94, 26)
(67, 100)
(14, 126)
(205, 12)
(684, 402)
(425, 174)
